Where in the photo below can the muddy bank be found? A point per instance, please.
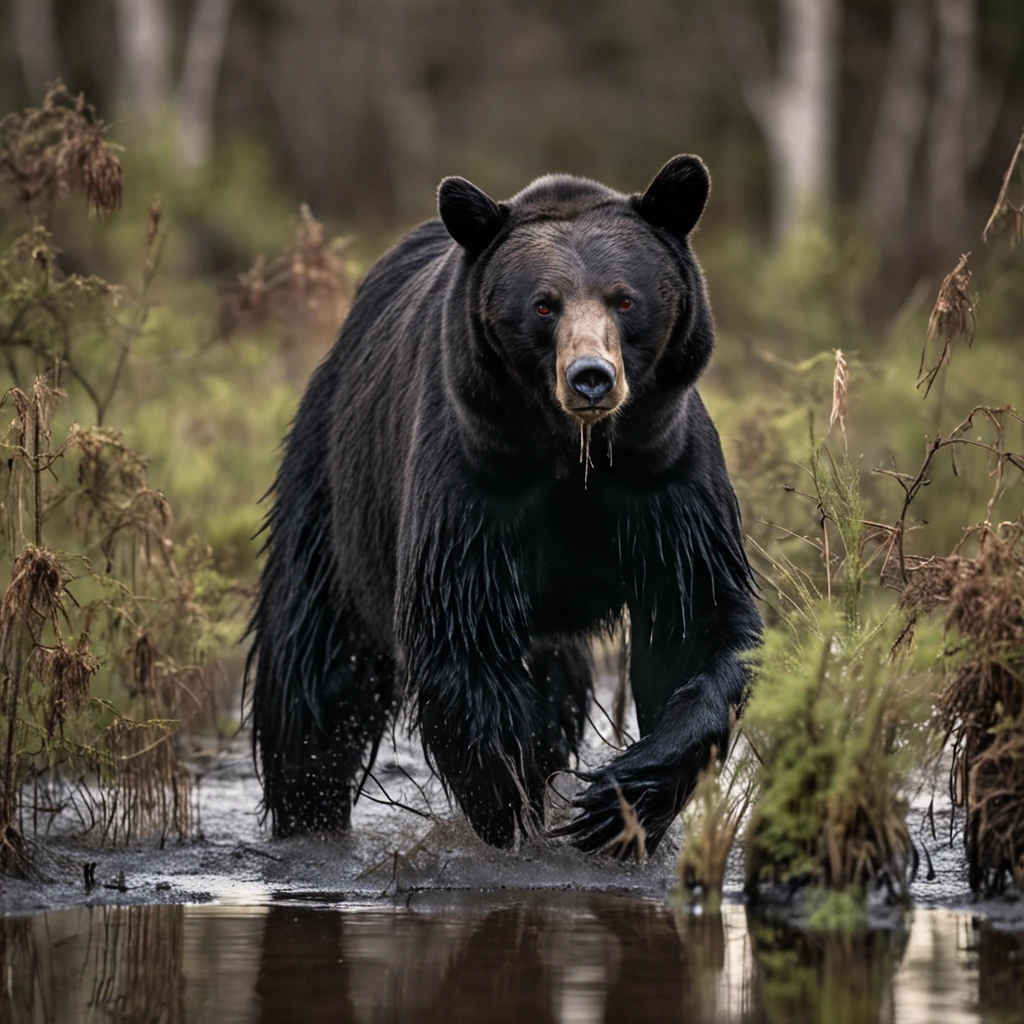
(390, 854)
(390, 850)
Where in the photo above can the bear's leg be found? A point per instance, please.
(475, 725)
(562, 683)
(318, 719)
(462, 622)
(320, 692)
(686, 686)
(495, 739)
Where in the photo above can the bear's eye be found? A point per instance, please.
(625, 303)
(543, 309)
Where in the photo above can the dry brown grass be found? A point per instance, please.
(106, 620)
(111, 502)
(35, 595)
(981, 599)
(1004, 207)
(710, 823)
(1004, 464)
(55, 149)
(308, 283)
(952, 319)
(65, 674)
(840, 383)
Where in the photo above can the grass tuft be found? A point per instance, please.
(981, 704)
(711, 821)
(832, 721)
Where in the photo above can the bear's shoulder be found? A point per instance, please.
(420, 248)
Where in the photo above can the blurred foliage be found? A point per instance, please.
(359, 109)
(774, 351)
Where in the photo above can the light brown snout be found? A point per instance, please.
(591, 377)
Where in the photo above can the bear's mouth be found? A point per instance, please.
(589, 414)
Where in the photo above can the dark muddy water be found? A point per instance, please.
(535, 957)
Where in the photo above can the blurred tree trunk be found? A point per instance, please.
(793, 99)
(36, 38)
(900, 124)
(312, 70)
(407, 137)
(805, 110)
(144, 34)
(948, 125)
(197, 91)
(350, 86)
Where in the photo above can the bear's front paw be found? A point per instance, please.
(629, 805)
(610, 821)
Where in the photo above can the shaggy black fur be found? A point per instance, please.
(432, 541)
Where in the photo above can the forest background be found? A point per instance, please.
(273, 148)
(856, 149)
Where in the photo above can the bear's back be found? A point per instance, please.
(415, 254)
(380, 368)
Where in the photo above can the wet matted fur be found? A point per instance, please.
(435, 544)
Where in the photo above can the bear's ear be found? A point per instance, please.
(471, 216)
(677, 196)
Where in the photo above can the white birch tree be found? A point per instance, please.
(949, 127)
(144, 37)
(791, 92)
(197, 89)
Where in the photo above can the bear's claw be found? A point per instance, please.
(611, 820)
(628, 806)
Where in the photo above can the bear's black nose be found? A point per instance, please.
(591, 377)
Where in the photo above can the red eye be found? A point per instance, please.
(543, 308)
(625, 302)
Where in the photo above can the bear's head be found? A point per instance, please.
(587, 294)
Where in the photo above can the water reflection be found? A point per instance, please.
(98, 964)
(1000, 974)
(841, 979)
(536, 957)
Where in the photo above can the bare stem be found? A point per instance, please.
(37, 472)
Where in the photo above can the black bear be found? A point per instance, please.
(502, 456)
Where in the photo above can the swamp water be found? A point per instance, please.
(414, 919)
(557, 956)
